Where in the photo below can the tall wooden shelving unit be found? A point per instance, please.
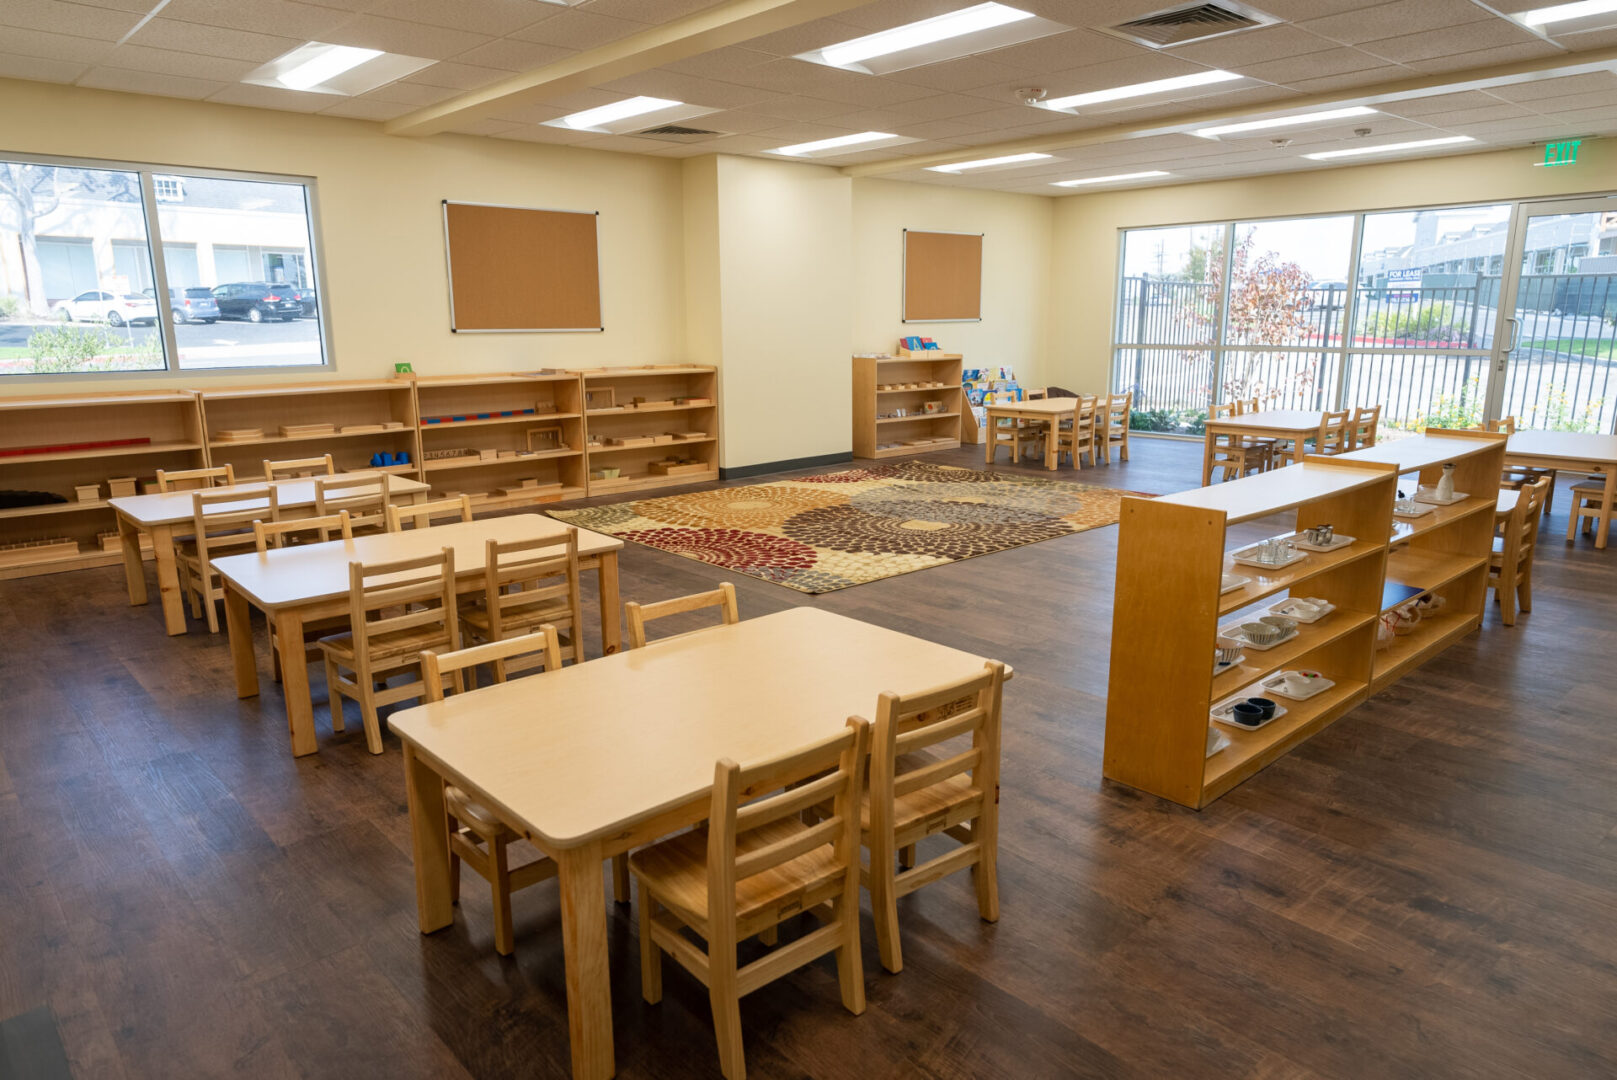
(1173, 551)
(355, 406)
(884, 384)
(169, 419)
(644, 430)
(497, 484)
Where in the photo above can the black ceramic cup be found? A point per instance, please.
(1249, 714)
(1264, 705)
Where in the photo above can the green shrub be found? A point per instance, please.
(10, 306)
(77, 347)
(1428, 322)
(1169, 421)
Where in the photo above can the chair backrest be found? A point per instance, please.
(213, 526)
(1332, 437)
(1118, 407)
(824, 771)
(1083, 419)
(1038, 395)
(1507, 424)
(912, 722)
(435, 665)
(403, 595)
(1251, 405)
(1530, 510)
(278, 470)
(363, 495)
(273, 534)
(526, 578)
(195, 479)
(1362, 431)
(420, 515)
(1225, 410)
(723, 598)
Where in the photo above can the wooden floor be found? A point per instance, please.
(1428, 889)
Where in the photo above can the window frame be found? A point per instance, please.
(147, 172)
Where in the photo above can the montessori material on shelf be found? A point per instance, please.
(906, 404)
(351, 421)
(1314, 613)
(505, 440)
(634, 415)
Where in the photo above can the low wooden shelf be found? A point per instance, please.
(1168, 607)
(660, 386)
(556, 398)
(878, 386)
(361, 404)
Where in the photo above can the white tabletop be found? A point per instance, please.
(1272, 420)
(309, 573)
(175, 507)
(1047, 406)
(578, 753)
(1566, 445)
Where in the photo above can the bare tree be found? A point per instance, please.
(28, 193)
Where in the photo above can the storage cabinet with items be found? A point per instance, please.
(360, 424)
(651, 426)
(906, 404)
(505, 440)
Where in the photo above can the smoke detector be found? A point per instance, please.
(1031, 95)
(1279, 144)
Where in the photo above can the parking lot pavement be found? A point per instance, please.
(298, 338)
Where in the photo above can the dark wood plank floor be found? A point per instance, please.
(1428, 889)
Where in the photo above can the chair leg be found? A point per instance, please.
(334, 697)
(1572, 518)
(454, 865)
(620, 877)
(884, 907)
(1524, 589)
(651, 955)
(726, 1000)
(210, 608)
(985, 873)
(367, 709)
(1507, 596)
(906, 856)
(504, 936)
(275, 653)
(850, 964)
(194, 597)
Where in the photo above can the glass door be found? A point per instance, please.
(1555, 356)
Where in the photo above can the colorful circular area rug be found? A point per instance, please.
(818, 534)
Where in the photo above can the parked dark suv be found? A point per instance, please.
(195, 303)
(256, 301)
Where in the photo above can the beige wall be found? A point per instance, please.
(382, 227)
(1016, 270)
(1086, 234)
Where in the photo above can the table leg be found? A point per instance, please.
(168, 579)
(606, 581)
(988, 440)
(239, 623)
(134, 567)
(429, 844)
(589, 986)
(1052, 448)
(1604, 528)
(1207, 457)
(1299, 449)
(295, 681)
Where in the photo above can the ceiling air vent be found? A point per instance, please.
(678, 133)
(1189, 22)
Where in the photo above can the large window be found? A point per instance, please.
(80, 290)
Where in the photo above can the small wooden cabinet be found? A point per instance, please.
(505, 440)
(649, 427)
(886, 386)
(1168, 605)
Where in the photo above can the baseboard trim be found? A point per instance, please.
(743, 471)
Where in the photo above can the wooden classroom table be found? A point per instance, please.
(298, 584)
(1572, 451)
(1046, 410)
(160, 515)
(594, 759)
(1293, 425)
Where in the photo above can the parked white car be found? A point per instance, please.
(112, 308)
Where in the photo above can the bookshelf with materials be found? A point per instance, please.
(649, 427)
(505, 440)
(912, 383)
(351, 421)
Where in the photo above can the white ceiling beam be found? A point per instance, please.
(1453, 82)
(715, 28)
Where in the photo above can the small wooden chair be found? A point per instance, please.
(391, 622)
(215, 534)
(723, 598)
(1363, 426)
(281, 470)
(1515, 476)
(1076, 437)
(1333, 436)
(1588, 506)
(477, 836)
(195, 479)
(1017, 436)
(274, 534)
(420, 515)
(756, 865)
(528, 584)
(1510, 566)
(364, 495)
(1234, 454)
(932, 797)
(1112, 426)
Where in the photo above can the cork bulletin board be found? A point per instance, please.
(943, 276)
(515, 270)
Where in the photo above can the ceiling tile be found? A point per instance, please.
(574, 28)
(268, 97)
(457, 76)
(47, 46)
(213, 40)
(800, 77)
(493, 17)
(364, 108)
(801, 108)
(102, 24)
(727, 63)
(1508, 54)
(487, 127)
(955, 75)
(1596, 82)
(1334, 61)
(1389, 20)
(650, 11)
(1351, 81)
(1466, 38)
(39, 69)
(1266, 43)
(148, 82)
(415, 95)
(740, 121)
(169, 62)
(509, 54)
(691, 89)
(1461, 119)
(1143, 68)
(1058, 52)
(405, 38)
(808, 36)
(278, 17)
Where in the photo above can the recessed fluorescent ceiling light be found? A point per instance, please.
(1009, 159)
(1284, 121)
(1158, 86)
(1388, 148)
(838, 143)
(1565, 12)
(320, 68)
(1111, 179)
(628, 115)
(987, 26)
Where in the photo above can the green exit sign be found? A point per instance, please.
(1562, 153)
